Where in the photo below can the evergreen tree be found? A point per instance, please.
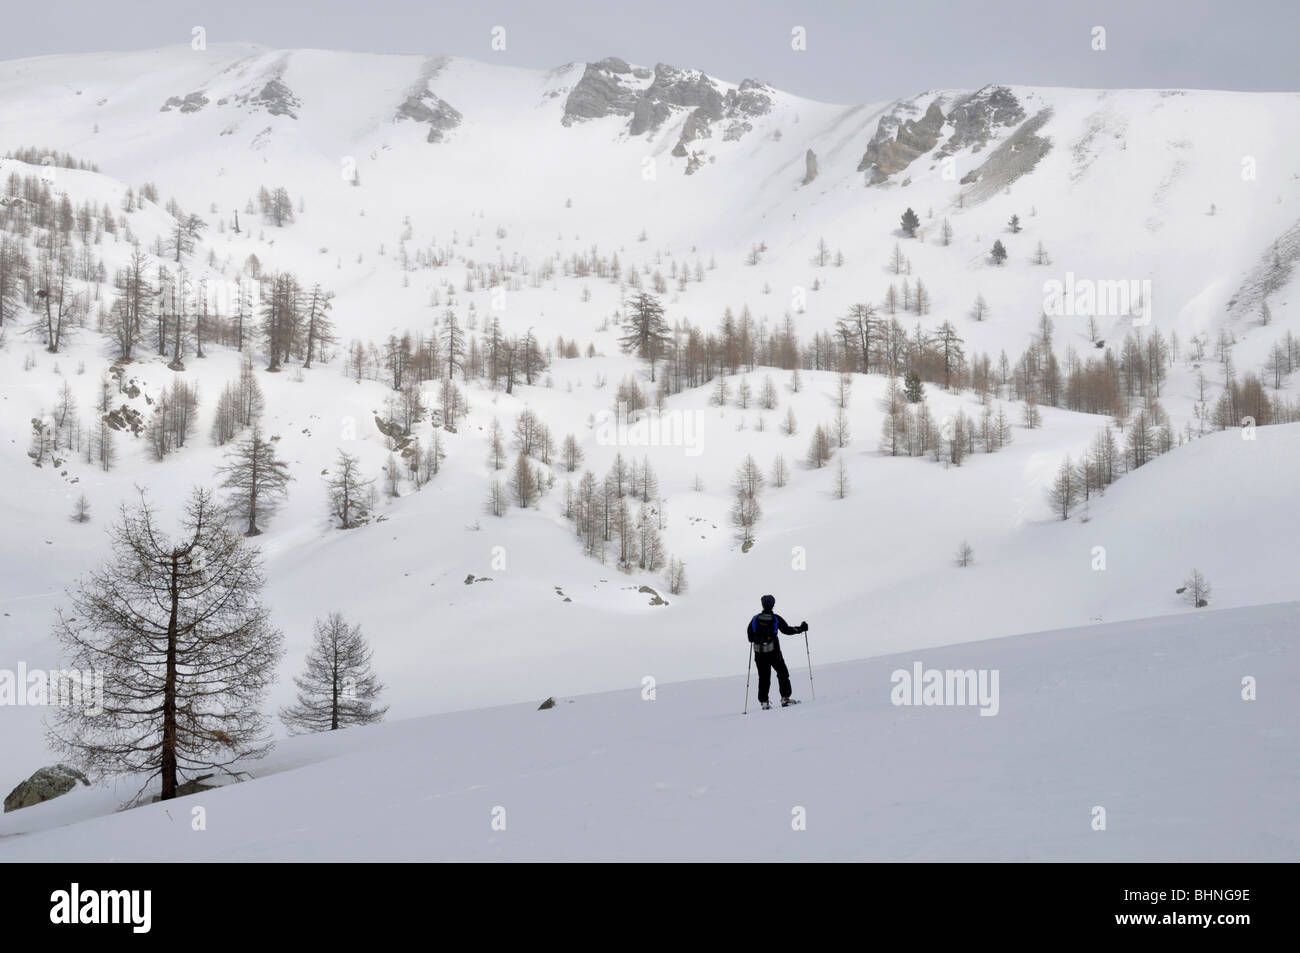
(912, 387)
(647, 333)
(910, 223)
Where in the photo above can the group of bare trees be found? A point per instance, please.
(295, 322)
(177, 630)
(239, 406)
(910, 429)
(603, 517)
(174, 418)
(450, 352)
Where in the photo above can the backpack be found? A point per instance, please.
(763, 632)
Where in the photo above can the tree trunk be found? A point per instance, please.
(169, 690)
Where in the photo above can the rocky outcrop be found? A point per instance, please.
(810, 167)
(612, 87)
(976, 117)
(191, 103)
(751, 98)
(549, 703)
(125, 418)
(747, 101)
(425, 107)
(607, 88)
(275, 97)
(673, 87)
(45, 785)
(899, 141)
(1014, 157)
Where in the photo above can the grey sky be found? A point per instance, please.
(858, 50)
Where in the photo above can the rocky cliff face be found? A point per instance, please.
(974, 118)
(607, 88)
(673, 87)
(898, 141)
(1015, 156)
(611, 87)
(425, 107)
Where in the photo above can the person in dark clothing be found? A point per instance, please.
(762, 632)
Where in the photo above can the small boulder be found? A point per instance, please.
(549, 703)
(45, 785)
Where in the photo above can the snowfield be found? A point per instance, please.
(1145, 720)
(1121, 695)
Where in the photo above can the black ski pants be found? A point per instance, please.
(766, 662)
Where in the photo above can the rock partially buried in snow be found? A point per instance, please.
(549, 703)
(44, 785)
(193, 786)
(810, 164)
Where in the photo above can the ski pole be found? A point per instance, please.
(810, 677)
(749, 664)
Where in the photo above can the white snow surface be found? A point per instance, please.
(1142, 717)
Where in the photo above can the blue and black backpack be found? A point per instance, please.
(763, 632)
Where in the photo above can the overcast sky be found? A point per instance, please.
(857, 50)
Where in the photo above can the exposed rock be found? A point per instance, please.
(613, 88)
(192, 103)
(1014, 157)
(193, 786)
(675, 87)
(125, 418)
(751, 98)
(735, 130)
(549, 703)
(655, 598)
(601, 92)
(974, 118)
(898, 142)
(44, 785)
(696, 127)
(389, 428)
(275, 97)
(425, 107)
(810, 166)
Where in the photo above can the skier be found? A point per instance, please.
(762, 632)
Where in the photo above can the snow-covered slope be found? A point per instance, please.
(1145, 720)
(461, 164)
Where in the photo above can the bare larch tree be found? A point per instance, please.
(338, 688)
(185, 648)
